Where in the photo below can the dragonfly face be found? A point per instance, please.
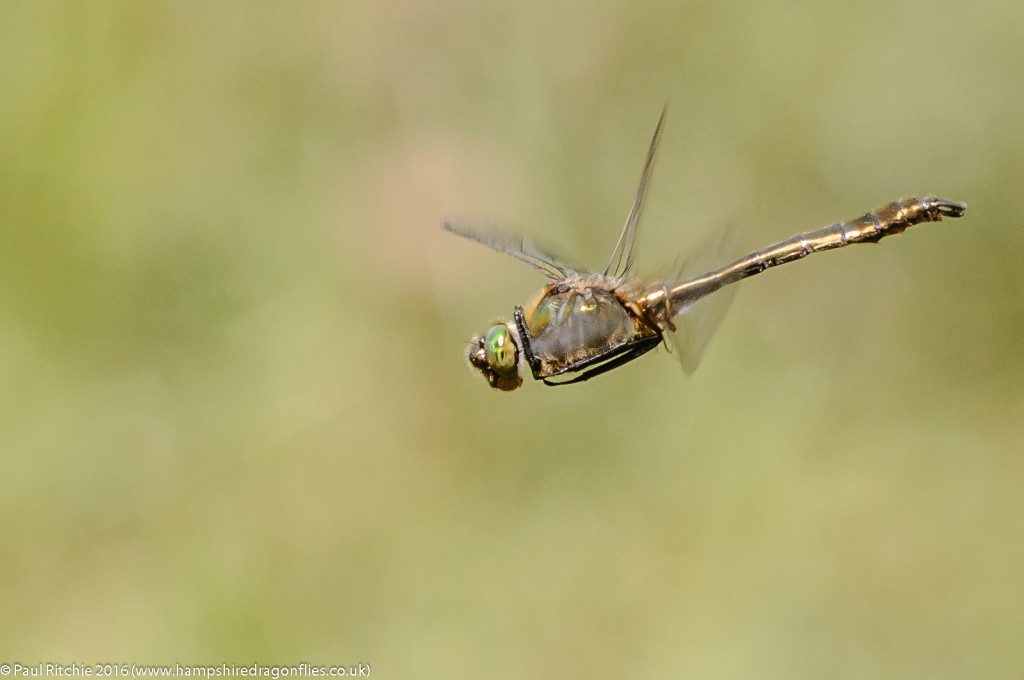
(583, 324)
(496, 356)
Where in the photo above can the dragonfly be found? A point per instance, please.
(583, 323)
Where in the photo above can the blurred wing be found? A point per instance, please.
(519, 248)
(622, 256)
(697, 323)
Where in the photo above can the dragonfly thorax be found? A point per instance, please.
(579, 322)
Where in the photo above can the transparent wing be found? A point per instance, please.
(697, 322)
(518, 247)
(622, 256)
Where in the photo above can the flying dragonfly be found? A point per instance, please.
(583, 324)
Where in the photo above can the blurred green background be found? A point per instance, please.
(237, 425)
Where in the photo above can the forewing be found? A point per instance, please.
(622, 256)
(518, 247)
(697, 323)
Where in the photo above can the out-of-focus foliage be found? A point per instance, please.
(235, 420)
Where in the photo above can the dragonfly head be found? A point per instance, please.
(496, 356)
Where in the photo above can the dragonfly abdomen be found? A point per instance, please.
(892, 218)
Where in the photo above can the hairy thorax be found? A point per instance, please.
(579, 319)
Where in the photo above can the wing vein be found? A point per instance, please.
(622, 256)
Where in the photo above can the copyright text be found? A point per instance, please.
(224, 670)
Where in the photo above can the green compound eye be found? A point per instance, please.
(500, 349)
